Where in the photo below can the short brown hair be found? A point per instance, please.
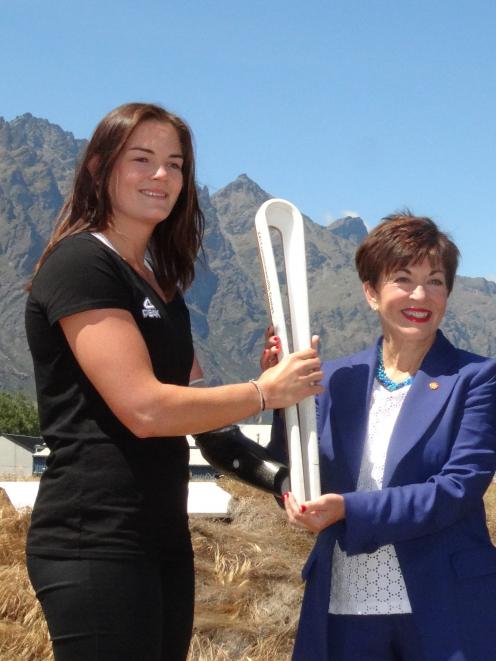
(401, 239)
(174, 244)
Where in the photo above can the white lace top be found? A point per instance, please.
(372, 583)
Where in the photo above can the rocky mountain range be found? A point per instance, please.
(227, 303)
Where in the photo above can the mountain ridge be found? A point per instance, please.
(226, 302)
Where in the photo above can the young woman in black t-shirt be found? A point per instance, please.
(109, 551)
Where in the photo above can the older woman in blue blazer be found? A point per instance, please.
(403, 567)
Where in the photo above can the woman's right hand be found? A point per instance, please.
(292, 379)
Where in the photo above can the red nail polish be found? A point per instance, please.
(276, 339)
(303, 509)
(285, 495)
(266, 351)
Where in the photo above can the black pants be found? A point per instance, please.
(116, 610)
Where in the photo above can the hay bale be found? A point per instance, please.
(23, 631)
(248, 578)
(248, 583)
(6, 507)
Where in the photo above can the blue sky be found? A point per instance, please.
(362, 106)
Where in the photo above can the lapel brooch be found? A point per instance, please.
(433, 385)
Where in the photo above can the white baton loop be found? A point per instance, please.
(301, 423)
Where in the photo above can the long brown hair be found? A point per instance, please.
(176, 241)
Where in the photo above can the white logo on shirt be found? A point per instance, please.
(149, 310)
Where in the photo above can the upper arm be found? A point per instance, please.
(112, 353)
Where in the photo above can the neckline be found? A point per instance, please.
(105, 240)
(108, 243)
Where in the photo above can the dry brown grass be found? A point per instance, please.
(23, 634)
(490, 501)
(248, 585)
(248, 576)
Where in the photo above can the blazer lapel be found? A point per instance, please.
(427, 396)
(349, 418)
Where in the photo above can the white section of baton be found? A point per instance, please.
(278, 321)
(310, 448)
(285, 217)
(301, 420)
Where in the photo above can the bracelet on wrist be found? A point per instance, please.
(260, 394)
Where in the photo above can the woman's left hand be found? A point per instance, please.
(315, 515)
(271, 350)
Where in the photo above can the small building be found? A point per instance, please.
(40, 455)
(16, 455)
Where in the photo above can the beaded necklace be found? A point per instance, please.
(382, 377)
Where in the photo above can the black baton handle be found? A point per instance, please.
(231, 452)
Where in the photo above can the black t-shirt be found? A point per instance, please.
(105, 492)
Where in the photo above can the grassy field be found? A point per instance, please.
(248, 585)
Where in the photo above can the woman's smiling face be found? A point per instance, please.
(411, 301)
(147, 177)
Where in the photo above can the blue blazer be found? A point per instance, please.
(441, 459)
